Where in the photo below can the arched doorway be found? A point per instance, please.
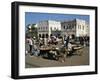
(73, 36)
(40, 36)
(43, 35)
(47, 35)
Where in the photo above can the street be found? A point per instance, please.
(73, 60)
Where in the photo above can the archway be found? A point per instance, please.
(73, 36)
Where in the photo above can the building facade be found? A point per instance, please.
(75, 28)
(48, 28)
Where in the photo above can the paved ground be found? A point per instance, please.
(74, 60)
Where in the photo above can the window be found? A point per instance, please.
(50, 28)
(74, 25)
(83, 27)
(43, 28)
(64, 27)
(54, 28)
(69, 26)
(39, 28)
(46, 28)
(80, 26)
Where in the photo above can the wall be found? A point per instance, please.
(5, 40)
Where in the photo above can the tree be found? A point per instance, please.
(33, 27)
(31, 30)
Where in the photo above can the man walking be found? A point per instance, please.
(66, 40)
(30, 42)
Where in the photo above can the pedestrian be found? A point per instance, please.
(30, 42)
(66, 40)
(70, 48)
(36, 51)
(81, 40)
(40, 42)
(34, 40)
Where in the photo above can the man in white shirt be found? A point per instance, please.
(30, 42)
(70, 48)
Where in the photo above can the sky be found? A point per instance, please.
(33, 17)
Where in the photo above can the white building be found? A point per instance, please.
(45, 28)
(75, 28)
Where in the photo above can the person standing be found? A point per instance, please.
(66, 40)
(36, 51)
(30, 42)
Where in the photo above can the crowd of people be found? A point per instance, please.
(84, 40)
(33, 48)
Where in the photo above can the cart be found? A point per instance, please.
(60, 54)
